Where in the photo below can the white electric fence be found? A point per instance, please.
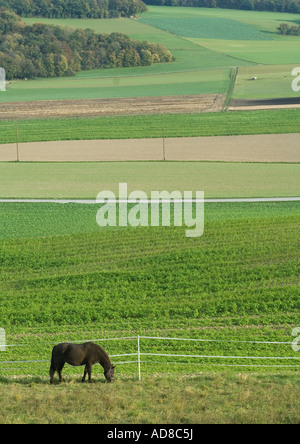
(2, 79)
(2, 340)
(205, 358)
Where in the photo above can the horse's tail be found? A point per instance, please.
(52, 365)
(52, 368)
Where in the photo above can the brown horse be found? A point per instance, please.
(86, 354)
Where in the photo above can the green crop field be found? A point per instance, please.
(64, 278)
(131, 85)
(207, 27)
(152, 126)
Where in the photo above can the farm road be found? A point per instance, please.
(246, 148)
(93, 202)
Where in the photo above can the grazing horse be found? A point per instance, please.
(86, 354)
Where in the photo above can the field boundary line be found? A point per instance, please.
(149, 201)
(233, 73)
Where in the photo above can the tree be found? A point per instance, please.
(62, 66)
(75, 8)
(146, 57)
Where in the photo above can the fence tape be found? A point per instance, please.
(139, 354)
(156, 338)
(214, 340)
(221, 356)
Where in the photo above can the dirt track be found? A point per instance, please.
(257, 148)
(112, 107)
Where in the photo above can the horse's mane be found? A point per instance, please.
(101, 349)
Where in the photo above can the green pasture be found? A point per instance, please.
(63, 278)
(207, 398)
(86, 180)
(274, 52)
(272, 81)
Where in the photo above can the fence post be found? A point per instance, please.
(17, 141)
(2, 340)
(2, 80)
(139, 358)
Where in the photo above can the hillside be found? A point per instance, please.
(50, 51)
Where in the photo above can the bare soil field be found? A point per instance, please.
(249, 148)
(112, 107)
(255, 104)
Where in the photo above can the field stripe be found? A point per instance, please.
(239, 148)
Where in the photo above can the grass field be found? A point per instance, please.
(213, 399)
(285, 51)
(272, 81)
(86, 180)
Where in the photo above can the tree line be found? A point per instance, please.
(75, 8)
(292, 6)
(52, 51)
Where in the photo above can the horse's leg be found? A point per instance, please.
(52, 371)
(84, 374)
(89, 370)
(59, 370)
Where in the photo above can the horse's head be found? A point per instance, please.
(110, 373)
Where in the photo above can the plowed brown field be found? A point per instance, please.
(112, 107)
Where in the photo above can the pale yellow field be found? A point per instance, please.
(254, 148)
